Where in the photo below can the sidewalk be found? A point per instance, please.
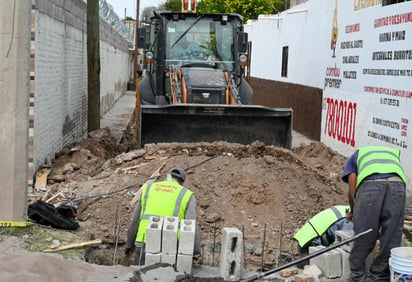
(121, 115)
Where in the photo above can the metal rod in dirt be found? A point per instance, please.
(315, 254)
(244, 248)
(214, 244)
(263, 249)
(280, 244)
(117, 232)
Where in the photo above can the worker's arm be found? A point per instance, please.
(191, 213)
(133, 227)
(352, 179)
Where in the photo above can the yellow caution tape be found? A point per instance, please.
(8, 223)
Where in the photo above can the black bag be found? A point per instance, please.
(46, 214)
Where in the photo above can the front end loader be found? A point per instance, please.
(194, 89)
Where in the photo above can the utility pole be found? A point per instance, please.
(93, 65)
(136, 38)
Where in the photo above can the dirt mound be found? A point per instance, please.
(265, 191)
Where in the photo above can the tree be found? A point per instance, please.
(249, 9)
(147, 13)
(173, 5)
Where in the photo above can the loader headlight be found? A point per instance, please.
(243, 60)
(149, 58)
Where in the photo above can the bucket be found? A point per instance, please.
(400, 264)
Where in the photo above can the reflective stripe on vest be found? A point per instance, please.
(377, 159)
(318, 224)
(166, 198)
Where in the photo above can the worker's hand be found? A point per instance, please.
(197, 261)
(128, 251)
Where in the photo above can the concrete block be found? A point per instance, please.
(154, 234)
(231, 254)
(168, 258)
(187, 237)
(152, 258)
(184, 263)
(169, 237)
(304, 278)
(341, 235)
(329, 263)
(314, 271)
(345, 264)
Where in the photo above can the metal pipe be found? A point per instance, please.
(315, 254)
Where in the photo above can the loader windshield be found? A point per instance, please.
(200, 41)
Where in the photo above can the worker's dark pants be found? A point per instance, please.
(379, 205)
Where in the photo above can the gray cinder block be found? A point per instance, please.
(187, 236)
(169, 237)
(231, 254)
(154, 234)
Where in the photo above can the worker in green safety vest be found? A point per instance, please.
(376, 196)
(320, 229)
(164, 198)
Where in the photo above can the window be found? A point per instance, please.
(390, 2)
(285, 55)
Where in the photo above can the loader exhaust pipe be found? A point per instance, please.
(315, 254)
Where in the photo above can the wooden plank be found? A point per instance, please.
(75, 245)
(54, 197)
(41, 180)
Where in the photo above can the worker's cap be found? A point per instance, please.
(178, 172)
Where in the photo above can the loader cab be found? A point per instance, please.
(200, 41)
(186, 41)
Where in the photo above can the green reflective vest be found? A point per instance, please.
(377, 159)
(166, 198)
(319, 224)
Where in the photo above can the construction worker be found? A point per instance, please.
(320, 229)
(164, 198)
(377, 201)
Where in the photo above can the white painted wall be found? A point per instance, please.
(59, 84)
(375, 108)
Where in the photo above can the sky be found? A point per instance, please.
(130, 5)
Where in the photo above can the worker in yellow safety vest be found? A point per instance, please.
(320, 229)
(165, 198)
(377, 198)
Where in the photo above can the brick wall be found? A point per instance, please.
(58, 91)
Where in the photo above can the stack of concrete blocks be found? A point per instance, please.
(153, 240)
(335, 263)
(169, 240)
(231, 254)
(186, 246)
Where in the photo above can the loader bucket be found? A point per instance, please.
(208, 123)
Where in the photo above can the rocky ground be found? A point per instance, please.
(265, 191)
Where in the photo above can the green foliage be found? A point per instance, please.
(173, 5)
(130, 19)
(147, 13)
(249, 9)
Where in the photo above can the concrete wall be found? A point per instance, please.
(363, 72)
(59, 74)
(14, 112)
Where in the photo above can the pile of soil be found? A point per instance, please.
(265, 191)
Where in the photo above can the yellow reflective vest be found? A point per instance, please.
(377, 159)
(319, 224)
(165, 198)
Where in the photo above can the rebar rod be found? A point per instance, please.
(315, 254)
(263, 249)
